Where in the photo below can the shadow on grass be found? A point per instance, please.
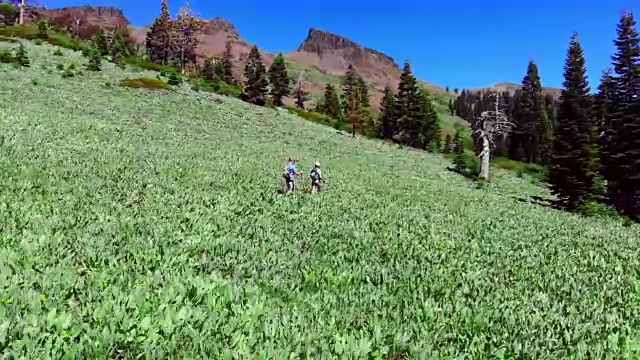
(541, 201)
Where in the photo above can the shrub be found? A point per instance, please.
(21, 54)
(145, 83)
(473, 164)
(57, 52)
(67, 74)
(7, 57)
(312, 116)
(8, 14)
(94, 59)
(145, 64)
(229, 90)
(592, 208)
(173, 75)
(43, 27)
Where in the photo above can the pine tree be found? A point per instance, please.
(544, 129)
(94, 59)
(99, 41)
(574, 160)
(279, 80)
(209, 71)
(187, 29)
(431, 139)
(22, 57)
(533, 129)
(255, 89)
(226, 65)
(408, 108)
(331, 103)
(349, 85)
(118, 45)
(355, 113)
(602, 108)
(301, 95)
(364, 102)
(514, 139)
(448, 144)
(459, 161)
(160, 38)
(118, 50)
(43, 27)
(623, 168)
(387, 119)
(363, 97)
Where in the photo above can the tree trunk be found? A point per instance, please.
(486, 157)
(21, 20)
(353, 130)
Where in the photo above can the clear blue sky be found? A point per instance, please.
(464, 43)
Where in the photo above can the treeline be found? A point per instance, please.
(589, 142)
(531, 136)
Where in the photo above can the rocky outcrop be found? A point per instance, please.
(334, 53)
(512, 88)
(101, 16)
(324, 43)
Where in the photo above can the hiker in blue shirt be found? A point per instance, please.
(289, 174)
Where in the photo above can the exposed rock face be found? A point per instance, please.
(102, 16)
(324, 43)
(333, 53)
(512, 88)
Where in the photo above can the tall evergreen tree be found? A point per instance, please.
(187, 28)
(364, 102)
(209, 70)
(160, 38)
(574, 160)
(279, 80)
(408, 108)
(602, 109)
(515, 142)
(350, 82)
(623, 168)
(459, 161)
(533, 129)
(99, 41)
(355, 114)
(331, 103)
(226, 65)
(387, 120)
(430, 123)
(255, 89)
(301, 95)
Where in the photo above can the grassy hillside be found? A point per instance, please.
(149, 223)
(315, 75)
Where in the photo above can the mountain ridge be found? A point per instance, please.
(328, 52)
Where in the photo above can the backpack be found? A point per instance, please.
(314, 174)
(286, 173)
